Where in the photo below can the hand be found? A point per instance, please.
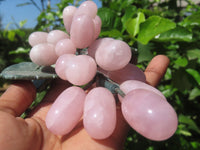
(31, 133)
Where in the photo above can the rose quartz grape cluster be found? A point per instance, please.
(144, 107)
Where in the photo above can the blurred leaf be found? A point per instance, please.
(195, 144)
(107, 17)
(133, 25)
(112, 33)
(185, 132)
(11, 35)
(50, 16)
(129, 12)
(40, 17)
(20, 33)
(152, 27)
(22, 23)
(194, 93)
(144, 52)
(20, 50)
(177, 34)
(195, 74)
(168, 91)
(193, 54)
(168, 74)
(181, 80)
(191, 20)
(189, 122)
(126, 3)
(17, 60)
(182, 62)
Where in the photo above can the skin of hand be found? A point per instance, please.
(31, 133)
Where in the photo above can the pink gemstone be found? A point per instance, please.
(129, 72)
(37, 38)
(149, 114)
(113, 56)
(130, 85)
(65, 46)
(56, 35)
(99, 117)
(68, 14)
(80, 69)
(97, 25)
(98, 44)
(88, 8)
(66, 111)
(82, 31)
(61, 65)
(43, 54)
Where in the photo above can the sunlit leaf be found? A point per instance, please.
(177, 34)
(111, 33)
(129, 12)
(133, 25)
(152, 27)
(22, 23)
(192, 20)
(182, 62)
(50, 16)
(11, 35)
(193, 54)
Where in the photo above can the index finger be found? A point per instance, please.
(156, 69)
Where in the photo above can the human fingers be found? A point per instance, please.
(156, 69)
(17, 98)
(57, 87)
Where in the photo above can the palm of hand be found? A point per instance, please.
(32, 134)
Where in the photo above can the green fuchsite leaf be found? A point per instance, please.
(28, 71)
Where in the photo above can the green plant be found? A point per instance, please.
(151, 28)
(163, 27)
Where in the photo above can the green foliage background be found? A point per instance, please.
(150, 28)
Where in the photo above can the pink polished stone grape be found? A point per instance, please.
(98, 44)
(80, 69)
(61, 65)
(65, 46)
(56, 35)
(129, 72)
(43, 54)
(97, 25)
(99, 117)
(82, 31)
(149, 114)
(68, 14)
(37, 38)
(130, 85)
(113, 56)
(66, 111)
(88, 8)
